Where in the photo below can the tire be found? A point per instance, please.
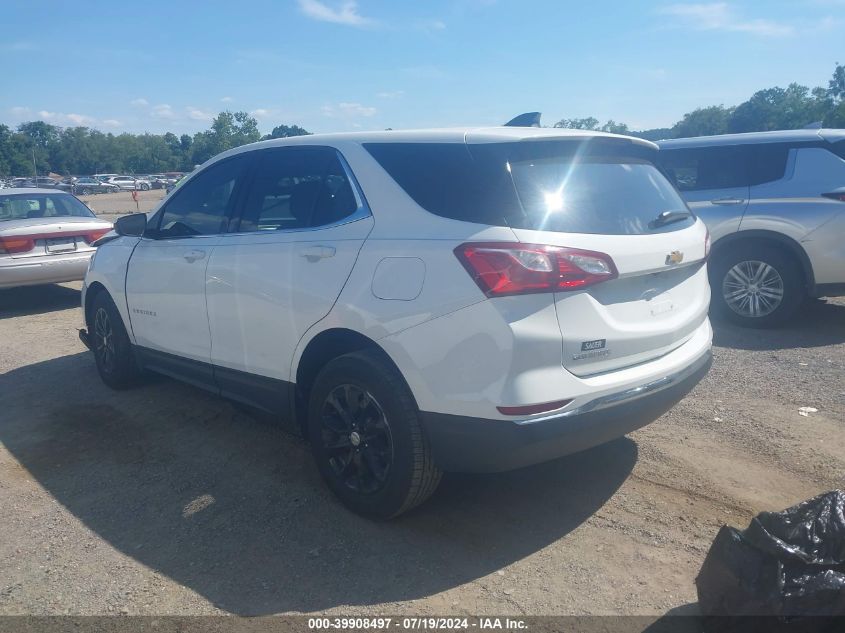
(760, 278)
(110, 344)
(145, 187)
(383, 467)
(86, 192)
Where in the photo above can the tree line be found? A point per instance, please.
(790, 108)
(82, 150)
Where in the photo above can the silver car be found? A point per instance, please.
(128, 183)
(774, 203)
(46, 236)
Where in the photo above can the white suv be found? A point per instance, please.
(471, 300)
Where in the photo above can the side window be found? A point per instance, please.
(768, 163)
(297, 188)
(203, 205)
(701, 168)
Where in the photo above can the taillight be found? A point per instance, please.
(513, 268)
(836, 195)
(93, 236)
(22, 244)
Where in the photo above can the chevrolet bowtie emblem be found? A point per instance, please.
(675, 257)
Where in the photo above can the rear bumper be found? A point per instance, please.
(467, 444)
(33, 271)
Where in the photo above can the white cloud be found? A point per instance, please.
(162, 111)
(80, 119)
(262, 114)
(431, 25)
(20, 112)
(60, 118)
(391, 94)
(140, 102)
(346, 12)
(197, 114)
(348, 110)
(20, 46)
(226, 99)
(720, 16)
(425, 71)
(23, 113)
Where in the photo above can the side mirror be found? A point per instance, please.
(132, 225)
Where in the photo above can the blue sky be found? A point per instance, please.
(342, 65)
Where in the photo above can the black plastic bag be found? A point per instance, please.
(785, 564)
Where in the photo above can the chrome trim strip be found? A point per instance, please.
(629, 395)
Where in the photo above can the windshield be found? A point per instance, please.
(18, 207)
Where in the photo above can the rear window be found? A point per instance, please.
(20, 207)
(597, 186)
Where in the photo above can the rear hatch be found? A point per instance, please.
(604, 195)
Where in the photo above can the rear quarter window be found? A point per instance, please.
(768, 162)
(703, 168)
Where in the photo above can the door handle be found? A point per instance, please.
(727, 201)
(194, 255)
(315, 253)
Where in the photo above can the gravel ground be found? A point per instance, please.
(110, 206)
(165, 500)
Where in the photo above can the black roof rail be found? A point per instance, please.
(528, 119)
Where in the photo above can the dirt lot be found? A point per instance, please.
(165, 500)
(112, 205)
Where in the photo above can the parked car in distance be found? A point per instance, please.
(472, 300)
(85, 186)
(66, 184)
(158, 181)
(42, 182)
(46, 236)
(775, 206)
(129, 183)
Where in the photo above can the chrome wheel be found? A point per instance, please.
(356, 439)
(104, 341)
(753, 288)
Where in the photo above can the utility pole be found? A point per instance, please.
(34, 168)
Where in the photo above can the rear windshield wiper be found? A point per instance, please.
(668, 217)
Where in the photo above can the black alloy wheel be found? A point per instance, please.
(356, 439)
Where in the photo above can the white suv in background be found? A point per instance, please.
(128, 183)
(775, 206)
(470, 300)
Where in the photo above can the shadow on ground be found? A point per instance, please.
(817, 324)
(233, 508)
(37, 300)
